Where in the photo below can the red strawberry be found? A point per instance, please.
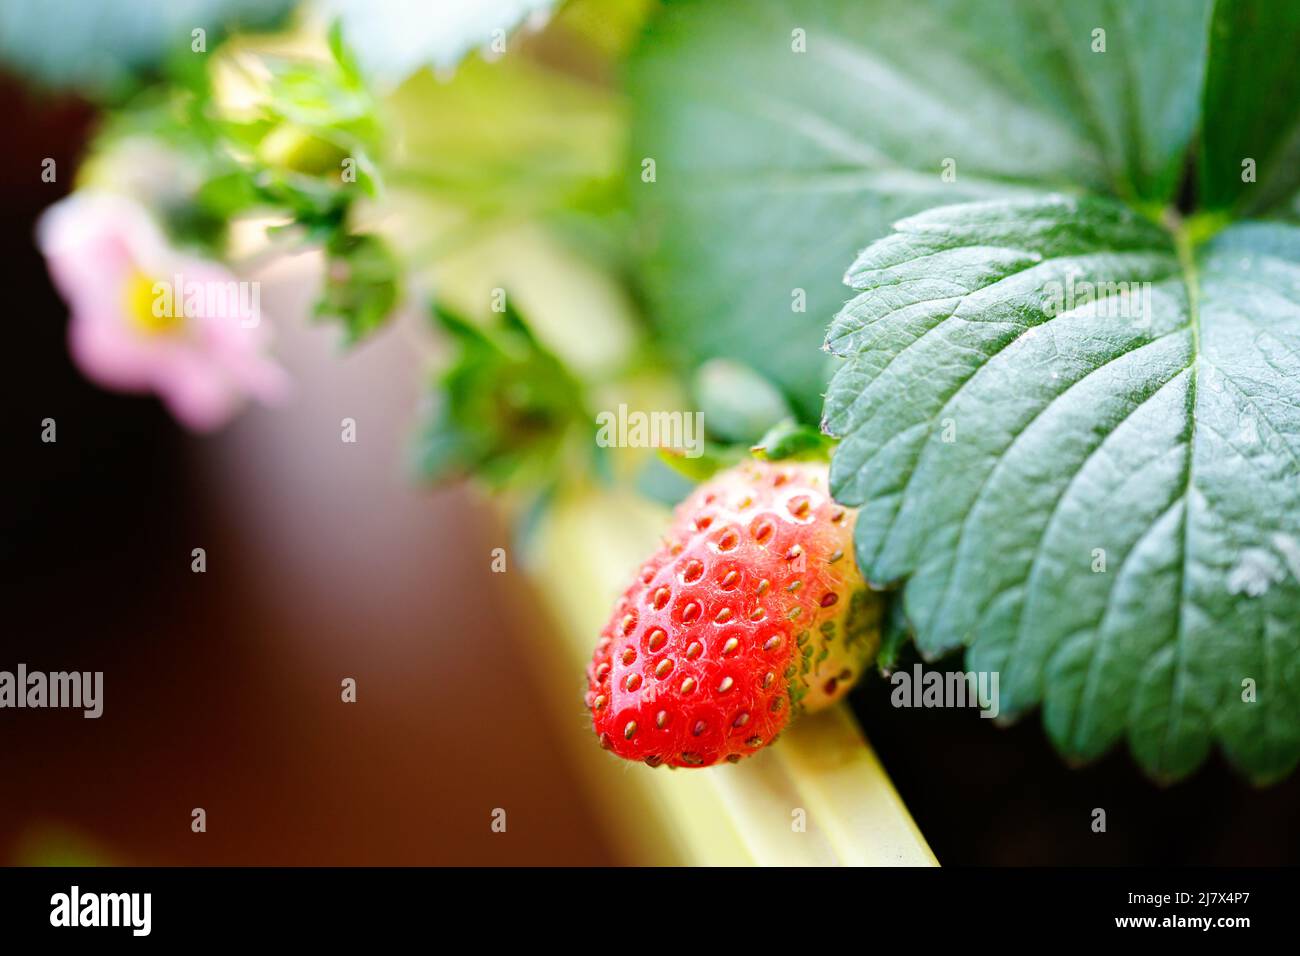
(753, 610)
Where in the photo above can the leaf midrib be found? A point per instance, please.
(1185, 248)
(1186, 252)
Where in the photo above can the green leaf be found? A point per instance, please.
(712, 459)
(392, 41)
(1252, 105)
(895, 633)
(99, 47)
(789, 439)
(504, 410)
(1101, 499)
(361, 284)
(309, 133)
(773, 167)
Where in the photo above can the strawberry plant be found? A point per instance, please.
(1067, 381)
(1005, 295)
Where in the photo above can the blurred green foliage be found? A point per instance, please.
(102, 48)
(505, 409)
(268, 130)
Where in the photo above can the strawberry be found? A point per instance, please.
(752, 611)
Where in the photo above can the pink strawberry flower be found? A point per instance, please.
(148, 318)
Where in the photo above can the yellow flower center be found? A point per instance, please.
(153, 313)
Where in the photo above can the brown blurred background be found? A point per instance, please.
(325, 561)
